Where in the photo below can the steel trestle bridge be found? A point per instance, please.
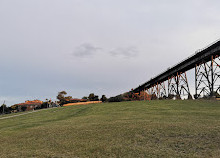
(173, 82)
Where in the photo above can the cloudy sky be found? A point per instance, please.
(101, 46)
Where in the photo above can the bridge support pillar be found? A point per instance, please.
(161, 90)
(178, 86)
(157, 91)
(207, 75)
(154, 92)
(173, 90)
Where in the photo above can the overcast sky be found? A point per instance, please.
(100, 46)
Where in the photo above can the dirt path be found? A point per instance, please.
(2, 118)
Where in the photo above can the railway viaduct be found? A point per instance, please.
(173, 82)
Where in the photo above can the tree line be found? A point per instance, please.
(63, 98)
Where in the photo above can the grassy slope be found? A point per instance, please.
(128, 129)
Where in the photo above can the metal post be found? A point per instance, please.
(157, 91)
(168, 87)
(196, 95)
(177, 87)
(212, 78)
(187, 84)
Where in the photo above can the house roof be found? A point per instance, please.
(30, 103)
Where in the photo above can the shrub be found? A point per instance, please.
(117, 98)
(103, 98)
(93, 97)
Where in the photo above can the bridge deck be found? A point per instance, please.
(200, 56)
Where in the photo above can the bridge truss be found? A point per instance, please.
(173, 83)
(207, 77)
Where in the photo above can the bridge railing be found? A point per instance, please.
(199, 50)
(196, 52)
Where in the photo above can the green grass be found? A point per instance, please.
(127, 129)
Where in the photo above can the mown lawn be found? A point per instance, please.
(127, 129)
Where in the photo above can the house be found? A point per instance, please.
(29, 105)
(53, 104)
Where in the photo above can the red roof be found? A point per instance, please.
(29, 103)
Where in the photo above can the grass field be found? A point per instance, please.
(127, 129)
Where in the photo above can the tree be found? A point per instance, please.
(93, 97)
(103, 98)
(117, 98)
(85, 97)
(4, 109)
(23, 108)
(96, 98)
(44, 105)
(14, 107)
(61, 97)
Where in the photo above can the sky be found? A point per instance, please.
(97, 46)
